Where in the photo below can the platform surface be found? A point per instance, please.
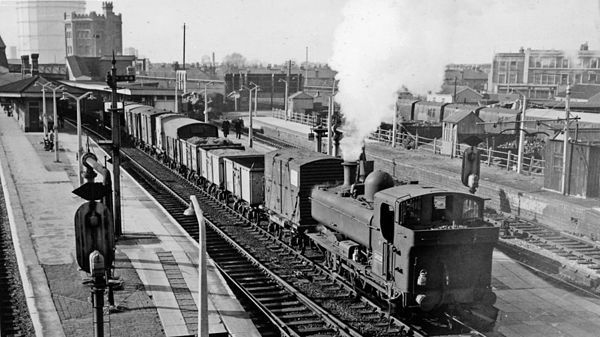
(157, 262)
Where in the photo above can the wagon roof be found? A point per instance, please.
(132, 106)
(254, 160)
(146, 110)
(171, 126)
(299, 157)
(210, 141)
(170, 116)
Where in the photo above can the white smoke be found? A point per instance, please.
(379, 47)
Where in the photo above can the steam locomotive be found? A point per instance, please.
(421, 248)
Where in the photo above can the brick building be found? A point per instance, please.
(94, 34)
(543, 73)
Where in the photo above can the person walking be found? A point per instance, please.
(225, 128)
(239, 125)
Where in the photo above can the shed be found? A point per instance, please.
(583, 165)
(458, 127)
(300, 102)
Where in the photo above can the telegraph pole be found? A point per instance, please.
(566, 141)
(116, 135)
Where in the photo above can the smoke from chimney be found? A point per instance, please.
(379, 47)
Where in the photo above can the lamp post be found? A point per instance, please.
(250, 133)
(194, 208)
(55, 121)
(44, 114)
(79, 146)
(521, 134)
(255, 96)
(285, 102)
(206, 101)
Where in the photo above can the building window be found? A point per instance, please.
(564, 78)
(513, 65)
(565, 63)
(501, 78)
(538, 63)
(594, 63)
(577, 79)
(537, 78)
(592, 77)
(512, 78)
(502, 65)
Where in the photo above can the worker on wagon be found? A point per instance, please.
(239, 124)
(225, 128)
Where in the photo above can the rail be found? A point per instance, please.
(502, 159)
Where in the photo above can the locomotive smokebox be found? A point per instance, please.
(349, 172)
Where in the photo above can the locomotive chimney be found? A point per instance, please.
(349, 172)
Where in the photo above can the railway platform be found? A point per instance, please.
(156, 261)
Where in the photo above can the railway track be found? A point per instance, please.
(556, 249)
(15, 320)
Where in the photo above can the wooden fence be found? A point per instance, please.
(296, 117)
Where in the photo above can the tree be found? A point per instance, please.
(233, 62)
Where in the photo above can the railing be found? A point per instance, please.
(296, 117)
(502, 159)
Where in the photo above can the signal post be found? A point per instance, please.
(94, 239)
(111, 79)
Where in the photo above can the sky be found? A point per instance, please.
(272, 31)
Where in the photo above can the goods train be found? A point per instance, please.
(421, 248)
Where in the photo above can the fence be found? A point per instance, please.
(296, 117)
(505, 160)
(502, 159)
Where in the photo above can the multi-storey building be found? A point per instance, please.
(94, 34)
(543, 73)
(41, 27)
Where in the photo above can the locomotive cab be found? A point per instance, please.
(436, 248)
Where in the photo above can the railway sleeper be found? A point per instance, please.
(288, 307)
(263, 288)
(252, 274)
(314, 321)
(283, 300)
(300, 315)
(267, 293)
(321, 329)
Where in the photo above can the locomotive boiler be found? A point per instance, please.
(420, 247)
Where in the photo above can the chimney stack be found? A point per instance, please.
(35, 68)
(24, 64)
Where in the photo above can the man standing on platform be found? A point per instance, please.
(225, 128)
(239, 125)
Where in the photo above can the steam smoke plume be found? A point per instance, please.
(380, 46)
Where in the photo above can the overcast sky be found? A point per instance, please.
(275, 30)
